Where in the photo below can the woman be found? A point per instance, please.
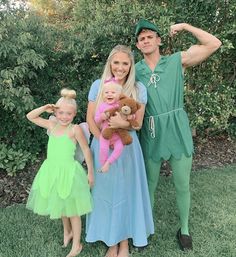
(122, 207)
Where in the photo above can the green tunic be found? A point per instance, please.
(165, 130)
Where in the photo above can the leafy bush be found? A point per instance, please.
(36, 62)
(210, 107)
(13, 159)
(38, 58)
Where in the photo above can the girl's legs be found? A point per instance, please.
(181, 176)
(76, 230)
(67, 231)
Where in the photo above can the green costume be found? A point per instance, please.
(165, 134)
(60, 187)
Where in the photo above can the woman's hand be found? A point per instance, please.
(117, 122)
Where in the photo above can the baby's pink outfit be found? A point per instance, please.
(105, 143)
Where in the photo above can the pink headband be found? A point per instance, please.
(112, 79)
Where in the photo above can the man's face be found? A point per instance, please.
(148, 42)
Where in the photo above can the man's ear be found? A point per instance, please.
(159, 41)
(137, 45)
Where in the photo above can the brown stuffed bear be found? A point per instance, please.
(127, 106)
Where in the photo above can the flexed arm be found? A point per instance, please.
(196, 53)
(34, 115)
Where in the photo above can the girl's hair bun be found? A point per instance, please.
(68, 93)
(67, 96)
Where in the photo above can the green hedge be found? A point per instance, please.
(39, 58)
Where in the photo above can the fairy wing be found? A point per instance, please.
(79, 156)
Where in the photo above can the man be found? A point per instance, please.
(166, 134)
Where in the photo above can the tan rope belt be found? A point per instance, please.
(151, 121)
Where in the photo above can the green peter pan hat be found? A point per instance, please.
(145, 24)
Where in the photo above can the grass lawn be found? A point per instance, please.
(212, 223)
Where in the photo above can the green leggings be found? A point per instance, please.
(181, 174)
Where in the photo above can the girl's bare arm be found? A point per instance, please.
(79, 135)
(34, 115)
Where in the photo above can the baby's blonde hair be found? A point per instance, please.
(68, 96)
(117, 87)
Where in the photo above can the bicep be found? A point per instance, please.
(195, 55)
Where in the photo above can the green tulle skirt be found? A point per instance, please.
(60, 190)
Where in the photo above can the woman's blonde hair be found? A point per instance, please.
(68, 96)
(129, 88)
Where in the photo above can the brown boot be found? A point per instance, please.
(185, 241)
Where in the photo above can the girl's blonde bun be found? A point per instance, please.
(68, 96)
(68, 93)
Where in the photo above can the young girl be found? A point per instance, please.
(60, 188)
(110, 94)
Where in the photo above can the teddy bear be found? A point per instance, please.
(127, 107)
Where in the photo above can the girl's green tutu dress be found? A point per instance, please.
(60, 187)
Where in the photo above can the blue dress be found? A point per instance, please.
(121, 203)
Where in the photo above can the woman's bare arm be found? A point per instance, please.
(90, 119)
